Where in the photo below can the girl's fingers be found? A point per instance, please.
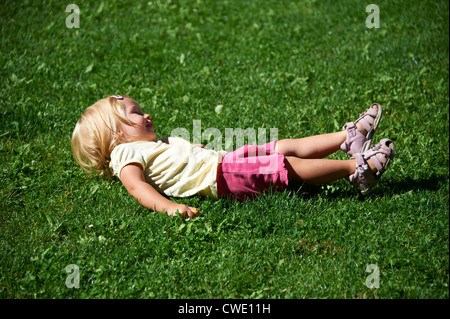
(194, 210)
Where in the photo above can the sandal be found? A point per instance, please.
(356, 142)
(381, 156)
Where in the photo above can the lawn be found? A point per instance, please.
(301, 67)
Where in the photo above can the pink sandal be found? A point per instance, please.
(381, 156)
(356, 142)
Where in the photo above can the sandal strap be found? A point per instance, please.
(356, 141)
(360, 160)
(350, 127)
(353, 135)
(352, 132)
(379, 154)
(362, 169)
(378, 159)
(368, 118)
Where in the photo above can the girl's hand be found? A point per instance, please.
(183, 210)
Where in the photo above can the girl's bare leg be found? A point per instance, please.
(318, 171)
(317, 146)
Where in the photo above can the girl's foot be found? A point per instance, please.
(371, 164)
(360, 132)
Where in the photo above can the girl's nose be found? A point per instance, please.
(147, 116)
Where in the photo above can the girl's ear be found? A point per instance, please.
(118, 137)
(118, 130)
(118, 133)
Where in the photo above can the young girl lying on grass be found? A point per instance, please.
(115, 137)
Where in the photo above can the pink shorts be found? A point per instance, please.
(251, 170)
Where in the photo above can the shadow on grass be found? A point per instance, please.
(431, 183)
(342, 189)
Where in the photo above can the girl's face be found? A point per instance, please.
(143, 129)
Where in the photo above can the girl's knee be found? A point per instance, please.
(281, 146)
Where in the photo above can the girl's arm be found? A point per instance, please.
(132, 178)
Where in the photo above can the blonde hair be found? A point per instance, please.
(96, 134)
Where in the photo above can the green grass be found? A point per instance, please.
(304, 67)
